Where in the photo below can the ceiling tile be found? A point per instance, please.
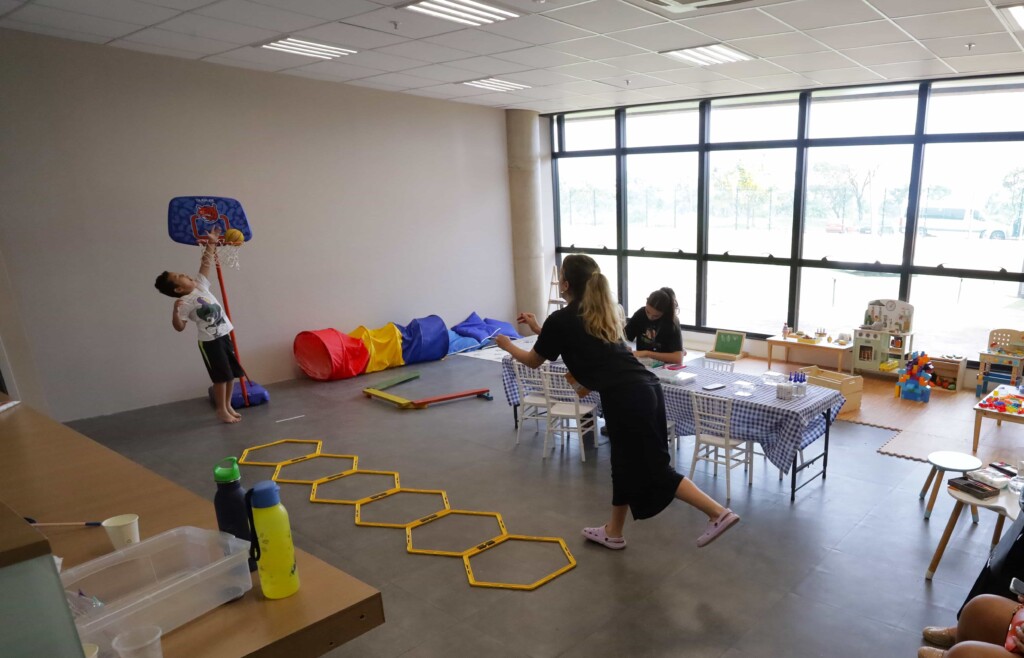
(582, 87)
(181, 5)
(537, 30)
(810, 14)
(922, 69)
(843, 76)
(452, 90)
(442, 73)
(487, 65)
(673, 92)
(622, 97)
(475, 41)
(370, 83)
(783, 82)
(66, 20)
(749, 68)
(154, 50)
(596, 48)
(339, 70)
(403, 23)
(987, 63)
(60, 33)
(242, 63)
(590, 70)
(402, 80)
(646, 63)
(689, 76)
(543, 93)
(892, 53)
(897, 8)
(539, 78)
(167, 39)
(299, 73)
(425, 52)
(736, 25)
(984, 44)
(604, 16)
(813, 61)
(951, 24)
(349, 36)
(861, 34)
(539, 57)
(329, 10)
(778, 45)
(214, 28)
(717, 87)
(374, 59)
(127, 11)
(635, 81)
(250, 13)
(667, 36)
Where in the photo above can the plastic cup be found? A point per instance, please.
(90, 650)
(141, 642)
(122, 530)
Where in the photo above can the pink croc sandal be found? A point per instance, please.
(599, 536)
(726, 520)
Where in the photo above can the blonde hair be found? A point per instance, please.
(597, 306)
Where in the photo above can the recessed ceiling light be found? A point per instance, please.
(467, 12)
(308, 48)
(1016, 15)
(493, 84)
(708, 55)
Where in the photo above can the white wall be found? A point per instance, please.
(367, 207)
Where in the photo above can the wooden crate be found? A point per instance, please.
(954, 369)
(851, 386)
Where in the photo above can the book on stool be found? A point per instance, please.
(974, 488)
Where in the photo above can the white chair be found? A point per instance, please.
(566, 413)
(714, 364)
(713, 440)
(532, 403)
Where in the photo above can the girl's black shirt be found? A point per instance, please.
(661, 335)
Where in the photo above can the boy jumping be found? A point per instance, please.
(195, 302)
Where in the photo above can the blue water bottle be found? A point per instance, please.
(229, 502)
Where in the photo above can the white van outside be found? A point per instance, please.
(944, 221)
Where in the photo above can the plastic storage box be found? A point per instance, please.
(166, 580)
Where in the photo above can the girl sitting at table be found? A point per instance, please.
(655, 328)
(587, 334)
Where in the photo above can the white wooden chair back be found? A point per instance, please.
(715, 364)
(712, 416)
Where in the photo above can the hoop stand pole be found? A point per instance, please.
(234, 341)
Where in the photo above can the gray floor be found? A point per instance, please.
(839, 573)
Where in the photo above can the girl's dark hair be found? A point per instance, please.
(664, 301)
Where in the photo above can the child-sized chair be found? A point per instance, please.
(566, 412)
(713, 439)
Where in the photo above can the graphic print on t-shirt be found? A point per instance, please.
(209, 311)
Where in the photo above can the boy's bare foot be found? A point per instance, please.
(234, 413)
(225, 417)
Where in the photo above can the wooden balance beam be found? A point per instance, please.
(403, 403)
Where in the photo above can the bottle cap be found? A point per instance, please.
(265, 494)
(226, 471)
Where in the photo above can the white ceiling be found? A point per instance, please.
(574, 55)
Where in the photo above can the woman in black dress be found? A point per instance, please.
(587, 334)
(655, 328)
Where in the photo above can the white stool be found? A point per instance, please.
(1005, 505)
(946, 460)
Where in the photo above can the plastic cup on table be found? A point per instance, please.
(90, 650)
(141, 642)
(122, 530)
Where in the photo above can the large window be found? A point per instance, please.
(802, 208)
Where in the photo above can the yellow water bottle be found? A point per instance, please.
(272, 546)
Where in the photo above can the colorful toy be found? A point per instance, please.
(915, 379)
(1006, 350)
(402, 403)
(884, 337)
(1004, 403)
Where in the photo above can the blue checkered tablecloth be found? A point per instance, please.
(782, 427)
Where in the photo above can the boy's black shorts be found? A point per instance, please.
(219, 357)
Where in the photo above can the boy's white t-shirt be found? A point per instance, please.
(202, 308)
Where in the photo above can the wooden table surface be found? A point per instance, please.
(52, 473)
(787, 343)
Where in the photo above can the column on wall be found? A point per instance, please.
(522, 134)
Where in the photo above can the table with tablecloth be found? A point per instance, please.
(782, 427)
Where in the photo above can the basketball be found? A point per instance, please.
(234, 236)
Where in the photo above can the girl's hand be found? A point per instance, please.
(1018, 639)
(504, 342)
(526, 318)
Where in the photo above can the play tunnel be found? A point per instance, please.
(328, 354)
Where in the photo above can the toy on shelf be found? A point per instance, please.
(950, 370)
(885, 339)
(915, 379)
(1005, 349)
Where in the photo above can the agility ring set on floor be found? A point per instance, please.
(249, 459)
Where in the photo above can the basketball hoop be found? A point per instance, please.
(226, 252)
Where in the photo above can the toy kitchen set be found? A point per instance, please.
(884, 341)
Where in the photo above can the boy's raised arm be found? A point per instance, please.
(210, 252)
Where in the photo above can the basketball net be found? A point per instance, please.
(226, 253)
